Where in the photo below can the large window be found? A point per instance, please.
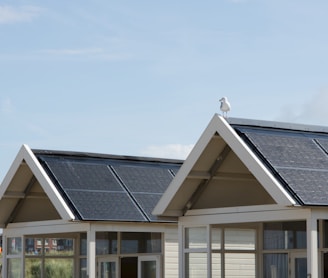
(132, 254)
(232, 255)
(14, 253)
(49, 257)
(280, 241)
(284, 235)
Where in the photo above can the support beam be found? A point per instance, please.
(91, 239)
(21, 201)
(201, 187)
(312, 246)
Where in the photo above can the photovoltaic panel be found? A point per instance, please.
(286, 150)
(310, 185)
(148, 202)
(300, 159)
(105, 206)
(87, 175)
(144, 179)
(109, 189)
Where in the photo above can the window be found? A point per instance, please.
(279, 241)
(106, 243)
(196, 252)
(14, 252)
(140, 243)
(233, 251)
(284, 235)
(49, 257)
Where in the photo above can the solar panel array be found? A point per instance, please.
(110, 189)
(299, 158)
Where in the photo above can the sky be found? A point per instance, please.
(144, 78)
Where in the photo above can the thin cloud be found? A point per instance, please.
(76, 51)
(10, 14)
(312, 111)
(174, 151)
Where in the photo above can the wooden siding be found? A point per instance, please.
(171, 253)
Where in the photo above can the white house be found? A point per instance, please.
(68, 214)
(252, 201)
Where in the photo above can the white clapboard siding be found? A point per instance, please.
(240, 265)
(171, 253)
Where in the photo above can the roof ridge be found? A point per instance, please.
(106, 156)
(277, 125)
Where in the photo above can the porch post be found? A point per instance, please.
(312, 246)
(91, 237)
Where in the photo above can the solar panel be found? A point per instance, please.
(110, 189)
(300, 159)
(144, 179)
(105, 206)
(311, 186)
(148, 202)
(285, 150)
(87, 175)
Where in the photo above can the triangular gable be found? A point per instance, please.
(25, 176)
(220, 142)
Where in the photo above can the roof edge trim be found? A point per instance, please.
(26, 154)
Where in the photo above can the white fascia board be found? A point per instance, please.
(47, 185)
(253, 163)
(12, 171)
(167, 197)
(287, 214)
(26, 154)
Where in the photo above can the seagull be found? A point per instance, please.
(225, 106)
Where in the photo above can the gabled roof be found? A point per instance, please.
(85, 186)
(239, 162)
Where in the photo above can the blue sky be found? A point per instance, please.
(144, 77)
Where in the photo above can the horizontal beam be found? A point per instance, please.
(21, 195)
(203, 175)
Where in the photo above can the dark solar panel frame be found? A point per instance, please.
(109, 189)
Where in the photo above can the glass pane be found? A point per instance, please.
(83, 268)
(32, 268)
(196, 265)
(240, 265)
(14, 245)
(275, 266)
(148, 269)
(33, 246)
(62, 268)
(141, 243)
(107, 270)
(14, 268)
(196, 237)
(83, 244)
(285, 235)
(216, 265)
(58, 246)
(106, 243)
(216, 238)
(239, 239)
(300, 268)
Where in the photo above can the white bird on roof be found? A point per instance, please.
(225, 106)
